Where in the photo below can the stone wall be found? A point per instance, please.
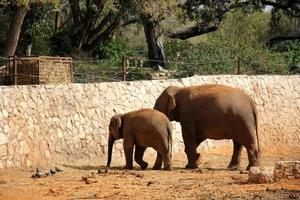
(50, 124)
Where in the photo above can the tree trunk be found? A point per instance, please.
(14, 31)
(57, 21)
(28, 49)
(155, 51)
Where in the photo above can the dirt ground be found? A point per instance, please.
(210, 181)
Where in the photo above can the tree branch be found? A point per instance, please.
(101, 25)
(205, 28)
(104, 35)
(191, 32)
(130, 21)
(75, 12)
(278, 5)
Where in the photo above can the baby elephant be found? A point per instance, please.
(142, 128)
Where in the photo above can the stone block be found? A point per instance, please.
(3, 139)
(24, 148)
(2, 164)
(287, 170)
(3, 151)
(5, 113)
(6, 129)
(261, 174)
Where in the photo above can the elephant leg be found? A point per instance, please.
(236, 156)
(167, 160)
(158, 162)
(138, 156)
(253, 156)
(128, 149)
(198, 155)
(190, 147)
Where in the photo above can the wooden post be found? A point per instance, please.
(7, 66)
(15, 64)
(39, 74)
(124, 61)
(57, 21)
(72, 71)
(238, 71)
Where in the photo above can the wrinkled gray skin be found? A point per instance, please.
(214, 112)
(143, 128)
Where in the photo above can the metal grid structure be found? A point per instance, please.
(39, 70)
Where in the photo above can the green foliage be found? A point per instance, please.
(93, 72)
(243, 37)
(28, 2)
(139, 73)
(114, 51)
(240, 41)
(109, 67)
(37, 23)
(212, 58)
(291, 52)
(280, 23)
(101, 70)
(61, 44)
(37, 29)
(5, 18)
(204, 58)
(263, 61)
(240, 31)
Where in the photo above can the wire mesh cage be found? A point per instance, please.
(39, 70)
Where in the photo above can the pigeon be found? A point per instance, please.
(52, 171)
(58, 169)
(38, 173)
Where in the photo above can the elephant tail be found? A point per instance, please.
(254, 110)
(170, 140)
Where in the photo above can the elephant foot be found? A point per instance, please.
(253, 165)
(168, 168)
(156, 167)
(144, 165)
(128, 167)
(191, 166)
(198, 158)
(234, 167)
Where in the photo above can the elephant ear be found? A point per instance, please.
(115, 127)
(116, 121)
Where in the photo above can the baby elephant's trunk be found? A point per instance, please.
(110, 146)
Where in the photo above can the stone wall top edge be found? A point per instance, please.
(179, 80)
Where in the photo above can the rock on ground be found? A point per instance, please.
(287, 170)
(261, 174)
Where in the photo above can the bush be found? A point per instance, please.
(211, 58)
(114, 51)
(61, 44)
(240, 38)
(290, 50)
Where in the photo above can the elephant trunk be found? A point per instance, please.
(110, 146)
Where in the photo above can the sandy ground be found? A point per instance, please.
(210, 181)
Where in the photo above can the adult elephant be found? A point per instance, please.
(214, 112)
